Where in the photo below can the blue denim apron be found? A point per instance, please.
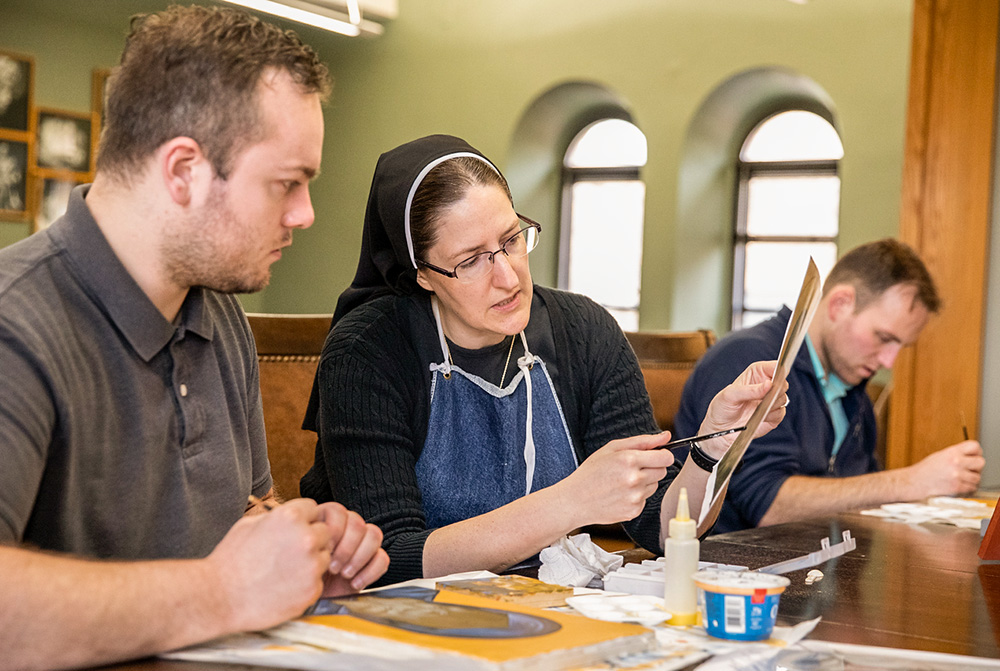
(480, 452)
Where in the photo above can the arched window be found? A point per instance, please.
(600, 247)
(788, 209)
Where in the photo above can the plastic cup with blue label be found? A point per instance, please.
(740, 606)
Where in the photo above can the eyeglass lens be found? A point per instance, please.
(516, 246)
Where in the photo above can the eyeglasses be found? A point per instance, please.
(479, 265)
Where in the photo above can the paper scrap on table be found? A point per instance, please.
(740, 655)
(643, 609)
(651, 660)
(795, 333)
(964, 513)
(855, 656)
(681, 647)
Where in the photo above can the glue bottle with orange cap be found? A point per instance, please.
(680, 550)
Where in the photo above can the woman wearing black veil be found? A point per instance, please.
(475, 417)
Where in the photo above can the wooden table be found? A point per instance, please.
(921, 587)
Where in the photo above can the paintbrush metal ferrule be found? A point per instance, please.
(706, 436)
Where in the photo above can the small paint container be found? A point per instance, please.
(741, 606)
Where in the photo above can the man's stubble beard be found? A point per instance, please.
(209, 249)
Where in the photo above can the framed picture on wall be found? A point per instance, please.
(16, 86)
(52, 198)
(98, 82)
(13, 179)
(98, 86)
(63, 140)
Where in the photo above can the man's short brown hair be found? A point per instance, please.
(875, 267)
(193, 72)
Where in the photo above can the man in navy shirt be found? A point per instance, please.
(820, 460)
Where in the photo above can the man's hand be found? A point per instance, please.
(270, 567)
(950, 471)
(357, 558)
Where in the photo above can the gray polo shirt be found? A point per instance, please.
(121, 435)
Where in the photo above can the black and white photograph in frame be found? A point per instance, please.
(15, 91)
(13, 178)
(98, 86)
(63, 141)
(52, 200)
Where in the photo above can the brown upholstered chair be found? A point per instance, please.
(667, 360)
(288, 349)
(880, 394)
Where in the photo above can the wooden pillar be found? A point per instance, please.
(945, 216)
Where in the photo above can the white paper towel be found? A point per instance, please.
(576, 560)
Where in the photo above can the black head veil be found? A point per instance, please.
(385, 265)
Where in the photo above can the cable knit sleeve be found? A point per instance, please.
(600, 372)
(371, 432)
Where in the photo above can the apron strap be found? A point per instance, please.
(444, 366)
(526, 363)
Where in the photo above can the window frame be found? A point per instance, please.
(740, 237)
(570, 177)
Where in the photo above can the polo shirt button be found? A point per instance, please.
(184, 390)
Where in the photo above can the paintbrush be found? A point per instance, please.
(695, 439)
(269, 504)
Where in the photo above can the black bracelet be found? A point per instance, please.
(700, 459)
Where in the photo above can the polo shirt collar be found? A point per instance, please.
(833, 387)
(194, 313)
(110, 285)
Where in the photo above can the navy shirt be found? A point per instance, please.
(801, 445)
(122, 435)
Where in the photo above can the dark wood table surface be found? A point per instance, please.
(920, 587)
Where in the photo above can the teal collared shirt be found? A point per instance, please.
(834, 391)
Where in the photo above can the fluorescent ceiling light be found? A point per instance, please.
(353, 12)
(310, 13)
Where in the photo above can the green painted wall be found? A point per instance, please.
(473, 68)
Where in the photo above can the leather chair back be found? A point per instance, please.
(288, 350)
(667, 360)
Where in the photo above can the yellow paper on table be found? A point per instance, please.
(412, 623)
(795, 333)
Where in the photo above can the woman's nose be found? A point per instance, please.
(503, 270)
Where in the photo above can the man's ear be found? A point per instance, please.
(422, 280)
(841, 302)
(185, 169)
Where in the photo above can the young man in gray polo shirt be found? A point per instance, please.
(130, 414)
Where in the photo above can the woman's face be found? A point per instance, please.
(496, 305)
